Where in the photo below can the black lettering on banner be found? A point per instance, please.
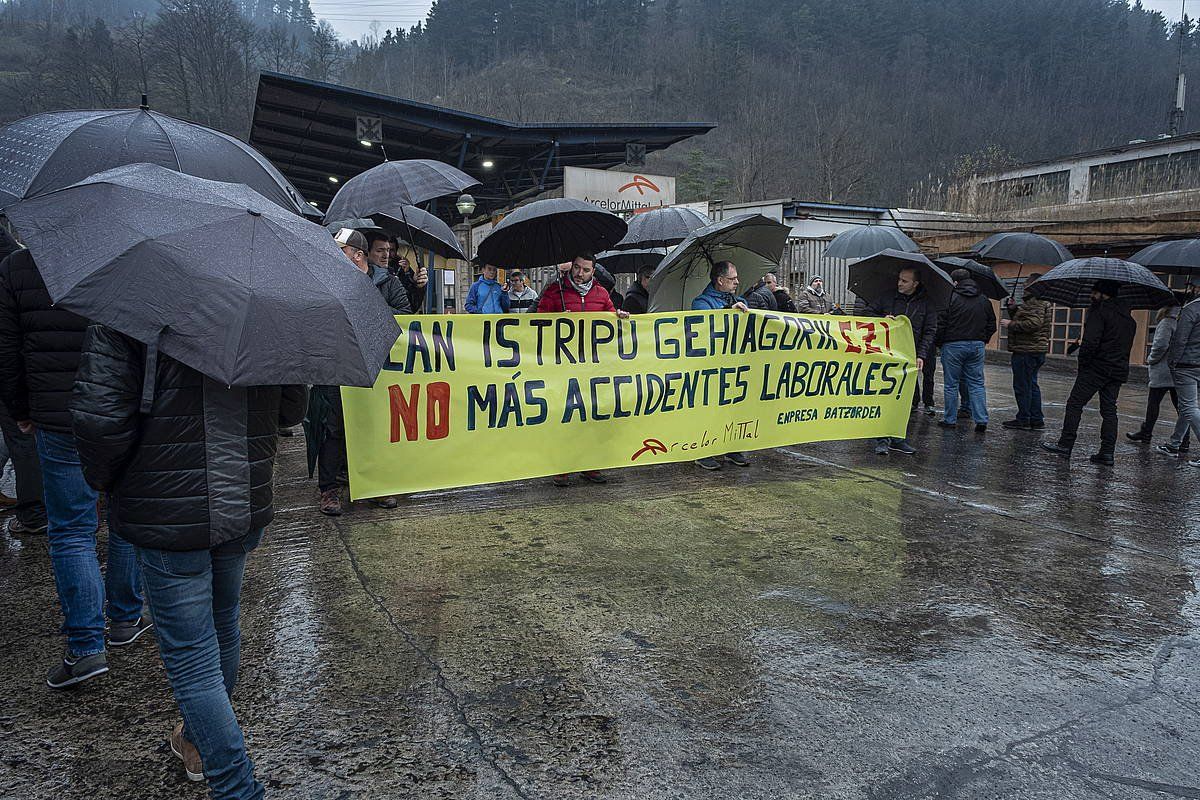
(630, 353)
(540, 324)
(574, 402)
(661, 341)
(514, 347)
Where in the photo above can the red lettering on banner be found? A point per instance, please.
(844, 326)
(405, 407)
(437, 410)
(404, 411)
(869, 327)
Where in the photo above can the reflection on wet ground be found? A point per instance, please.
(978, 621)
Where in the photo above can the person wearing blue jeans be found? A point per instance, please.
(970, 323)
(1025, 369)
(962, 362)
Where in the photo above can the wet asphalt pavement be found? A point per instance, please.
(981, 620)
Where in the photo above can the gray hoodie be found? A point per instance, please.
(1185, 344)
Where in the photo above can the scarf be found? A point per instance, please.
(582, 288)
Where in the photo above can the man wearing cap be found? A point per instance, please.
(1103, 366)
(1029, 342)
(813, 299)
(1184, 359)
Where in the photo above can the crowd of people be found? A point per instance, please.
(186, 474)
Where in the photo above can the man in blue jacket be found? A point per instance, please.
(721, 293)
(486, 295)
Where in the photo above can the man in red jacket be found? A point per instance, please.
(578, 291)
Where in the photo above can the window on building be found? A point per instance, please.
(1049, 189)
(1138, 176)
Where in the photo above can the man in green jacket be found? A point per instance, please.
(1029, 342)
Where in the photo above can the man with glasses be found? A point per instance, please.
(522, 299)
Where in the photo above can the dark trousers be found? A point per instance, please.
(22, 450)
(924, 394)
(1087, 385)
(331, 457)
(1152, 404)
(1025, 367)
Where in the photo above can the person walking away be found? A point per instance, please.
(910, 300)
(970, 324)
(1162, 381)
(814, 300)
(522, 299)
(486, 295)
(39, 352)
(1184, 360)
(637, 299)
(579, 292)
(721, 293)
(193, 511)
(1028, 342)
(762, 295)
(1108, 335)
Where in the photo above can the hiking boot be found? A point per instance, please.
(193, 767)
(902, 447)
(1139, 436)
(881, 449)
(945, 424)
(331, 503)
(981, 427)
(1056, 448)
(383, 502)
(561, 480)
(709, 463)
(1168, 448)
(737, 458)
(73, 670)
(593, 476)
(15, 526)
(1016, 425)
(121, 634)
(1104, 459)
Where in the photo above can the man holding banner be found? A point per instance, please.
(721, 292)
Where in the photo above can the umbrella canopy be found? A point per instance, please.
(631, 260)
(874, 278)
(550, 232)
(662, 227)
(51, 151)
(869, 240)
(1071, 283)
(358, 224)
(1022, 248)
(394, 182)
(1180, 254)
(989, 284)
(752, 242)
(421, 230)
(212, 275)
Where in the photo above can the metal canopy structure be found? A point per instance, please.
(311, 131)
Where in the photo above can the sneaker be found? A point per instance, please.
(1195, 462)
(1168, 448)
(881, 449)
(902, 447)
(1104, 459)
(561, 481)
(981, 427)
(383, 502)
(1138, 436)
(593, 476)
(930, 410)
(708, 463)
(737, 458)
(1055, 447)
(121, 634)
(72, 670)
(15, 526)
(193, 767)
(1016, 425)
(331, 503)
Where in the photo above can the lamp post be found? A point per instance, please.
(466, 207)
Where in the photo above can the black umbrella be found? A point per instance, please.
(1071, 283)
(989, 284)
(1022, 248)
(391, 183)
(631, 260)
(422, 230)
(868, 240)
(661, 227)
(550, 232)
(874, 278)
(212, 275)
(51, 151)
(1178, 255)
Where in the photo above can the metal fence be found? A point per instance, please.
(803, 259)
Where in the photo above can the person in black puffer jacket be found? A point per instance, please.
(970, 325)
(39, 353)
(762, 295)
(190, 485)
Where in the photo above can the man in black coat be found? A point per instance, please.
(39, 353)
(1104, 351)
(762, 296)
(637, 299)
(970, 325)
(190, 484)
(910, 300)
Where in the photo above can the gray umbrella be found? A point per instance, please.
(661, 227)
(51, 151)
(874, 278)
(984, 275)
(868, 240)
(1178, 255)
(1071, 283)
(212, 275)
(1022, 248)
(357, 223)
(394, 182)
(631, 260)
(752, 242)
(421, 230)
(550, 232)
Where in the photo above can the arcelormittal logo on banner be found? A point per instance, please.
(621, 192)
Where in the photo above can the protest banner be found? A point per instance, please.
(470, 399)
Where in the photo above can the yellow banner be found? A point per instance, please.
(469, 399)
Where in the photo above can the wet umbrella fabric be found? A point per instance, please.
(984, 275)
(51, 151)
(421, 230)
(631, 260)
(549, 232)
(1022, 248)
(661, 227)
(212, 275)
(357, 223)
(874, 278)
(754, 243)
(1071, 283)
(868, 240)
(392, 183)
(1178, 255)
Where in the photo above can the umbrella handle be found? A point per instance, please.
(148, 376)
